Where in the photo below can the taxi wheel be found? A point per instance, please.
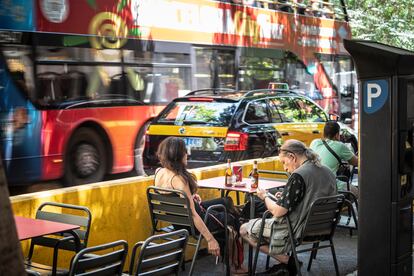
(85, 160)
(138, 169)
(257, 151)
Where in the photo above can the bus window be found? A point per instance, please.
(214, 68)
(157, 77)
(74, 84)
(158, 85)
(105, 81)
(256, 71)
(20, 67)
(340, 69)
(62, 54)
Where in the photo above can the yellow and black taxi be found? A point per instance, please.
(221, 124)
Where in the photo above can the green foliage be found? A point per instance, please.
(390, 22)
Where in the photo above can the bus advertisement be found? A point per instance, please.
(80, 80)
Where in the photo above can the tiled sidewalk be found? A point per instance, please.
(345, 248)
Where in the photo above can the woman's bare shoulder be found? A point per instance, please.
(168, 179)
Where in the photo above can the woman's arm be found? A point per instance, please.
(213, 246)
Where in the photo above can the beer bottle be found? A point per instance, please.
(228, 174)
(255, 176)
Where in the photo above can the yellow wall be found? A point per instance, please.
(119, 208)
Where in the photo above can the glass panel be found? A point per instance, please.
(144, 84)
(156, 84)
(310, 111)
(274, 113)
(287, 108)
(299, 79)
(258, 72)
(340, 69)
(257, 113)
(226, 69)
(199, 113)
(214, 68)
(45, 53)
(62, 82)
(20, 66)
(151, 57)
(204, 74)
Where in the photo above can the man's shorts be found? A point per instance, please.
(253, 227)
(279, 243)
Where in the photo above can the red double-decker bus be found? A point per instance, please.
(80, 80)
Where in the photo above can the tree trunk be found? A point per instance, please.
(11, 256)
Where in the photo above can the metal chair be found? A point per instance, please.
(87, 262)
(349, 214)
(71, 214)
(261, 242)
(320, 225)
(157, 258)
(173, 207)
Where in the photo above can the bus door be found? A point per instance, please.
(214, 68)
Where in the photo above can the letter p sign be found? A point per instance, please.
(375, 95)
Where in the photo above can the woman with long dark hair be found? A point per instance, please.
(172, 154)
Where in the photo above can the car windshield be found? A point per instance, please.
(199, 113)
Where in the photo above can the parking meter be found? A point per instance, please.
(386, 122)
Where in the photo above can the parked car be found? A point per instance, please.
(221, 124)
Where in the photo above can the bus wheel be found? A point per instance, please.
(139, 151)
(85, 159)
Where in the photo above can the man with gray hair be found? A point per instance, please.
(308, 181)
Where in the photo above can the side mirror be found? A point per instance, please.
(333, 117)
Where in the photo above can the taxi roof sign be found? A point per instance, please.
(278, 86)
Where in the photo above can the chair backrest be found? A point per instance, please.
(157, 258)
(71, 214)
(87, 263)
(322, 219)
(48, 87)
(170, 206)
(73, 85)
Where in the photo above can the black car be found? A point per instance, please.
(218, 124)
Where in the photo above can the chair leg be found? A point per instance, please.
(195, 255)
(183, 266)
(295, 256)
(334, 258)
(267, 262)
(313, 252)
(226, 250)
(350, 215)
(316, 251)
(255, 258)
